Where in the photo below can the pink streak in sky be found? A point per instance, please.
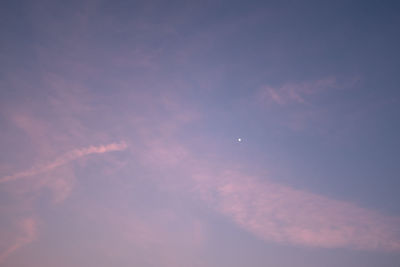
(28, 227)
(70, 156)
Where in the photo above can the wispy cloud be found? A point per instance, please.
(279, 213)
(308, 104)
(70, 156)
(28, 233)
(296, 92)
(60, 185)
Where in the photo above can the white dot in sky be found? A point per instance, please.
(239, 139)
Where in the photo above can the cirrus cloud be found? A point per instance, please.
(70, 156)
(283, 214)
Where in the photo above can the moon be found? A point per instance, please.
(239, 139)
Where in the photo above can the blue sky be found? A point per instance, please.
(120, 123)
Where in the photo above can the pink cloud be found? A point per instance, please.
(22, 195)
(296, 103)
(282, 214)
(28, 233)
(64, 159)
(296, 92)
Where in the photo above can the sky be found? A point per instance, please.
(199, 133)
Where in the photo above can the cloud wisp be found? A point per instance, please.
(60, 185)
(28, 228)
(297, 92)
(282, 214)
(70, 156)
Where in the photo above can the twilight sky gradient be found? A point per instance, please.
(120, 123)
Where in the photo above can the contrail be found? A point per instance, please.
(64, 159)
